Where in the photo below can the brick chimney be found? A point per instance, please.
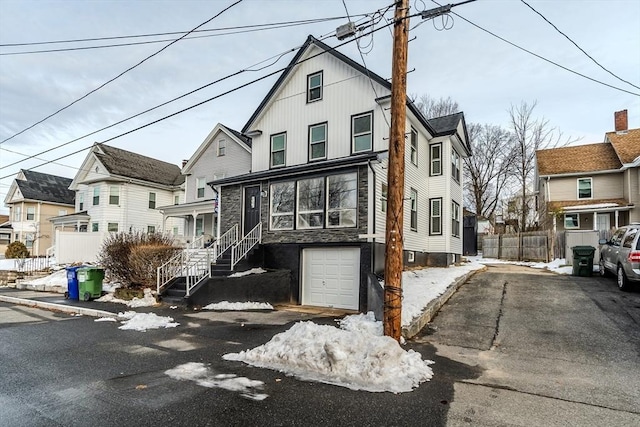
(621, 122)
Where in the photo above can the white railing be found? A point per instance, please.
(170, 270)
(50, 253)
(198, 243)
(247, 243)
(197, 269)
(227, 240)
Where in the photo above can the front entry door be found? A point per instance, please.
(251, 209)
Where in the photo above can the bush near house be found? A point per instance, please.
(133, 258)
(16, 250)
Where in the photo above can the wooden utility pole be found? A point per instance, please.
(393, 264)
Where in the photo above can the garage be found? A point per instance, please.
(331, 277)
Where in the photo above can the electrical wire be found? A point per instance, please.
(581, 49)
(121, 74)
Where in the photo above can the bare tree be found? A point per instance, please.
(489, 170)
(432, 108)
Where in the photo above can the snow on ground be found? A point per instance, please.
(143, 321)
(238, 306)
(147, 301)
(558, 265)
(246, 273)
(204, 376)
(351, 357)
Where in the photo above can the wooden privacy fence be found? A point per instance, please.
(530, 246)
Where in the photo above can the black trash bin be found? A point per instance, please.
(583, 260)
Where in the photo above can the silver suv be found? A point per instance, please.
(621, 255)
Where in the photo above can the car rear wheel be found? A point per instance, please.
(603, 271)
(623, 282)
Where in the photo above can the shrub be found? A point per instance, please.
(124, 255)
(16, 250)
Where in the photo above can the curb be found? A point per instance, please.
(57, 307)
(435, 305)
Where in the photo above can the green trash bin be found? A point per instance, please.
(90, 283)
(582, 260)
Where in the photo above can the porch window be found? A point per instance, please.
(455, 219)
(31, 214)
(282, 202)
(318, 142)
(94, 227)
(361, 132)
(436, 159)
(414, 146)
(200, 183)
(112, 227)
(80, 201)
(435, 216)
(96, 196)
(414, 209)
(114, 195)
(584, 188)
(278, 148)
(383, 199)
(572, 220)
(342, 200)
(311, 203)
(314, 87)
(152, 200)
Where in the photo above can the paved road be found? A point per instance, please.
(513, 347)
(552, 350)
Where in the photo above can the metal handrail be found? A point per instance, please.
(225, 241)
(247, 243)
(170, 270)
(197, 269)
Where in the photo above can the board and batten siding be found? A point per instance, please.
(346, 92)
(606, 186)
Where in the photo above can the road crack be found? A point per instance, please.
(494, 341)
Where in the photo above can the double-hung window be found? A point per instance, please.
(314, 87)
(414, 146)
(585, 188)
(362, 132)
(435, 216)
(80, 201)
(414, 209)
(96, 196)
(17, 214)
(436, 159)
(318, 142)
(114, 195)
(278, 149)
(200, 183)
(311, 203)
(282, 202)
(455, 219)
(383, 199)
(455, 165)
(95, 227)
(112, 227)
(151, 229)
(222, 147)
(31, 214)
(342, 196)
(152, 200)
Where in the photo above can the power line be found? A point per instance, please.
(576, 45)
(542, 57)
(207, 100)
(121, 74)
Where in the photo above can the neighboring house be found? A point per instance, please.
(593, 186)
(317, 188)
(33, 199)
(5, 234)
(224, 153)
(117, 190)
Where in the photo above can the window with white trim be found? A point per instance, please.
(96, 196)
(435, 151)
(585, 188)
(199, 226)
(318, 141)
(342, 200)
(176, 200)
(31, 213)
(310, 203)
(572, 220)
(282, 202)
(314, 87)
(80, 201)
(413, 197)
(455, 219)
(414, 146)
(62, 212)
(222, 147)
(112, 227)
(384, 197)
(114, 195)
(17, 214)
(455, 165)
(278, 149)
(151, 229)
(200, 183)
(362, 132)
(152, 200)
(95, 227)
(435, 216)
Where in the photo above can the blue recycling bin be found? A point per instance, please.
(73, 290)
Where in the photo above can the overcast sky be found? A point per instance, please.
(482, 73)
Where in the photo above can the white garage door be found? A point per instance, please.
(331, 277)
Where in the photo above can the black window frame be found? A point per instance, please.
(455, 222)
(431, 216)
(353, 136)
(432, 159)
(310, 143)
(284, 150)
(311, 89)
(413, 219)
(455, 165)
(413, 146)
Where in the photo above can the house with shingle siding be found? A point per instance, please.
(592, 186)
(33, 199)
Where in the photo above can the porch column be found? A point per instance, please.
(616, 216)
(194, 215)
(595, 221)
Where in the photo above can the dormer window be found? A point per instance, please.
(585, 188)
(314, 87)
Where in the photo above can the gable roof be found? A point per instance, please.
(580, 158)
(238, 135)
(626, 144)
(448, 125)
(132, 165)
(45, 187)
(240, 139)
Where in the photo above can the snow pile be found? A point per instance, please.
(57, 278)
(147, 301)
(363, 323)
(248, 272)
(143, 321)
(558, 265)
(202, 375)
(353, 359)
(105, 319)
(238, 306)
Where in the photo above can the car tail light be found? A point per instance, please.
(634, 256)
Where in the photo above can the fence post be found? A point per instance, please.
(499, 246)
